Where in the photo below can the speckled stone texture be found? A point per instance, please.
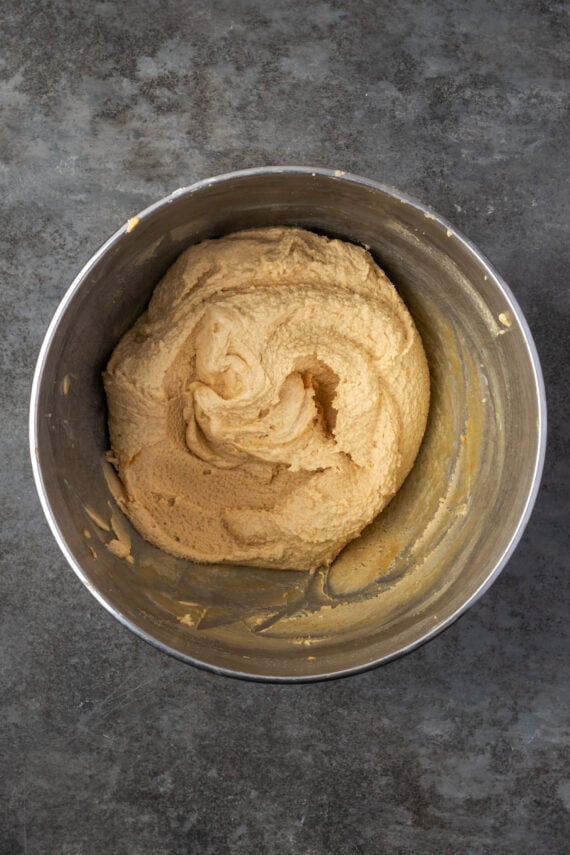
(109, 746)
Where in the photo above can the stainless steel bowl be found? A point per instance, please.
(424, 561)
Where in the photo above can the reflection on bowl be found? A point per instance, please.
(423, 561)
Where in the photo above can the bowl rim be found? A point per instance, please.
(244, 174)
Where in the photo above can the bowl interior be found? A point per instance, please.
(438, 544)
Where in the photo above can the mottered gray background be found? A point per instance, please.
(106, 744)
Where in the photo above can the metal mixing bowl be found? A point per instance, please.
(436, 548)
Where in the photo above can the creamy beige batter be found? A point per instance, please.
(269, 403)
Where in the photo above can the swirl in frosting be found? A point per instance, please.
(269, 402)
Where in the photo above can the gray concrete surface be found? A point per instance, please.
(107, 745)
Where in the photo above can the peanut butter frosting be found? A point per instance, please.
(269, 402)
